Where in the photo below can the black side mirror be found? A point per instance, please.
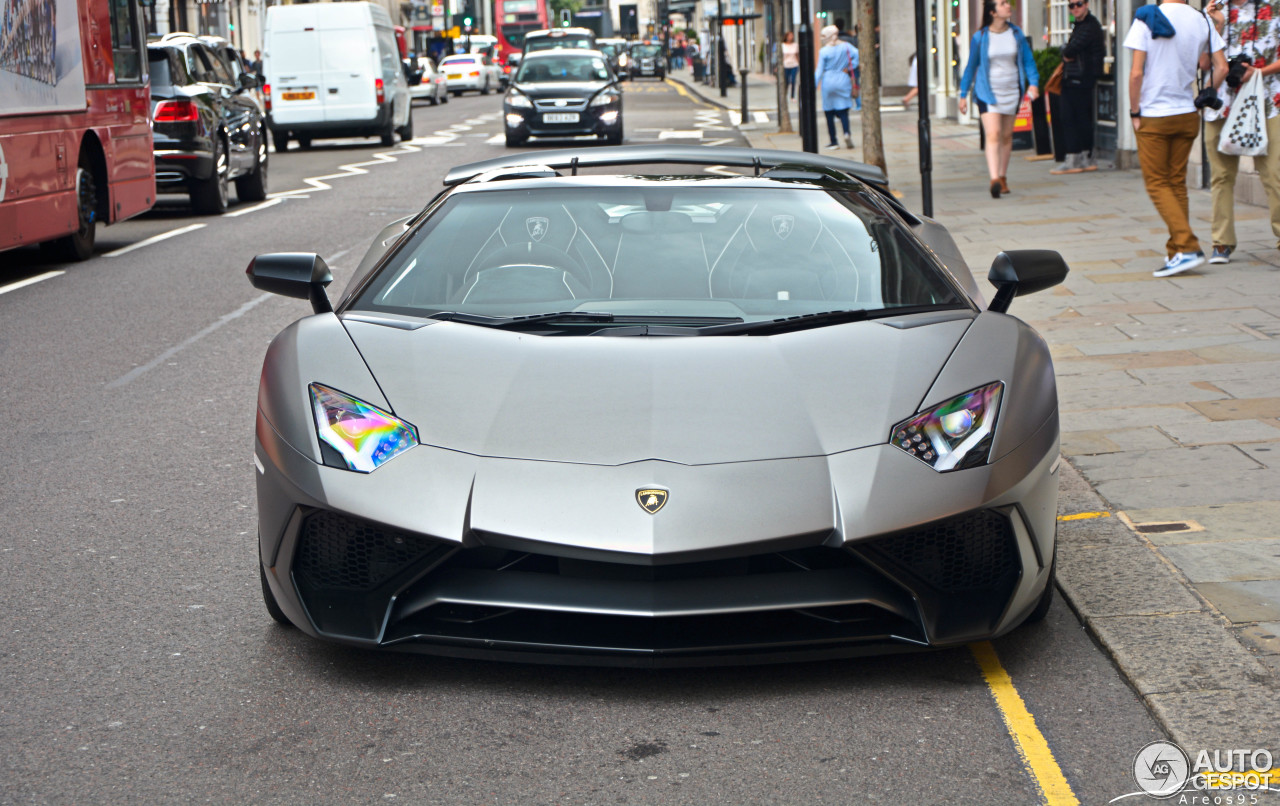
(293, 274)
(247, 81)
(1024, 271)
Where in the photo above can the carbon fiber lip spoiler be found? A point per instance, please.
(760, 159)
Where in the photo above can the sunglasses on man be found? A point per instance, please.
(1078, 5)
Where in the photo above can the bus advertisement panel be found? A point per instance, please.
(75, 128)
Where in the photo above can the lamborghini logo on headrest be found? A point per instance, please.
(651, 500)
(537, 227)
(783, 225)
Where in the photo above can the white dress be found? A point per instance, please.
(1002, 72)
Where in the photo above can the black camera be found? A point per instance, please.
(1236, 68)
(1208, 99)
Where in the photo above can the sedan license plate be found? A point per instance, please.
(560, 117)
(455, 76)
(298, 96)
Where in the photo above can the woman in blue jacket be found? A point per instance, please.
(1000, 71)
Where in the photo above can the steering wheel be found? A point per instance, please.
(537, 255)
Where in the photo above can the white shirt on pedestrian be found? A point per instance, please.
(1168, 81)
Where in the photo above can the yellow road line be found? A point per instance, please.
(680, 89)
(1031, 745)
(1084, 516)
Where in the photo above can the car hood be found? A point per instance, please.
(561, 89)
(690, 400)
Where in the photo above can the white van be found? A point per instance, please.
(333, 70)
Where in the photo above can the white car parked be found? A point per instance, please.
(471, 71)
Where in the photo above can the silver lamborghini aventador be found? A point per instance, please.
(658, 417)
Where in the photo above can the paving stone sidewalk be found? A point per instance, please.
(1170, 401)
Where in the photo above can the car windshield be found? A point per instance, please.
(568, 67)
(460, 60)
(551, 43)
(645, 51)
(660, 253)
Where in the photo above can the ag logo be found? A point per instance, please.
(651, 500)
(537, 227)
(1161, 769)
(783, 225)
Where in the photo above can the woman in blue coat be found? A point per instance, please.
(1000, 71)
(835, 76)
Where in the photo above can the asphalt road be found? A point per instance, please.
(140, 666)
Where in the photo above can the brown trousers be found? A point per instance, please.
(1164, 146)
(1225, 167)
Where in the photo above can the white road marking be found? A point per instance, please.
(49, 275)
(760, 117)
(719, 142)
(681, 134)
(721, 170)
(735, 118)
(164, 236)
(256, 208)
(497, 139)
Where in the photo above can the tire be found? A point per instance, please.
(434, 99)
(1046, 599)
(485, 89)
(269, 599)
(456, 93)
(79, 244)
(253, 186)
(406, 131)
(304, 143)
(515, 140)
(444, 99)
(388, 136)
(210, 196)
(281, 141)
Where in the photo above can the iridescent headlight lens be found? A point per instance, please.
(954, 435)
(364, 436)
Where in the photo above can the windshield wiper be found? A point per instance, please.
(517, 321)
(807, 320)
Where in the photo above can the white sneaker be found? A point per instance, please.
(1182, 261)
(832, 147)
(848, 141)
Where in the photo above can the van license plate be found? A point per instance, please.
(298, 96)
(560, 117)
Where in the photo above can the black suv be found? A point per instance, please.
(209, 126)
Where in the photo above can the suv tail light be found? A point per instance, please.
(176, 112)
(377, 86)
(266, 97)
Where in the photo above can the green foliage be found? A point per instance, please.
(1047, 60)
(574, 7)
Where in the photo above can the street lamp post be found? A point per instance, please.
(808, 111)
(922, 81)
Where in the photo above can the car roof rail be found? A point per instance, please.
(758, 158)
(523, 171)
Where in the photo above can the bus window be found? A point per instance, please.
(125, 49)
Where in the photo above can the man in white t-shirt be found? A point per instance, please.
(1168, 47)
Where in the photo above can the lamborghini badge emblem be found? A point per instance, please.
(651, 500)
(783, 225)
(537, 227)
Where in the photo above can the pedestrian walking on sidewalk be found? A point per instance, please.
(852, 41)
(1082, 66)
(913, 81)
(1169, 42)
(835, 77)
(790, 61)
(1000, 71)
(1251, 29)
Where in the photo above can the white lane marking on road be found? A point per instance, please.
(164, 236)
(256, 208)
(137, 372)
(681, 134)
(354, 168)
(735, 118)
(720, 142)
(760, 117)
(721, 170)
(497, 139)
(49, 275)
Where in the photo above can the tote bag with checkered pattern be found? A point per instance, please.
(1245, 132)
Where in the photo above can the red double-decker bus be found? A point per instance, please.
(75, 127)
(515, 19)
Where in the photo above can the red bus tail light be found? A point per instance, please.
(266, 97)
(176, 112)
(377, 86)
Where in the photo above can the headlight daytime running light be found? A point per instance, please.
(953, 435)
(364, 436)
(518, 100)
(604, 99)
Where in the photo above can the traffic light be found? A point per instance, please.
(566, 18)
(466, 23)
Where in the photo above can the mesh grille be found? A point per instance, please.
(337, 552)
(971, 552)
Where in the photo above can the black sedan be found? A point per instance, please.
(209, 129)
(563, 93)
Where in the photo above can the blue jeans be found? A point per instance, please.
(832, 114)
(791, 74)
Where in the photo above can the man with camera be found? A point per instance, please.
(1082, 61)
(1251, 29)
(1168, 42)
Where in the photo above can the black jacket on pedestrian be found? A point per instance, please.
(1087, 48)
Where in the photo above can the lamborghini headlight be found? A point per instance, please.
(364, 436)
(518, 100)
(954, 435)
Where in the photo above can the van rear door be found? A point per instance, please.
(349, 56)
(296, 75)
